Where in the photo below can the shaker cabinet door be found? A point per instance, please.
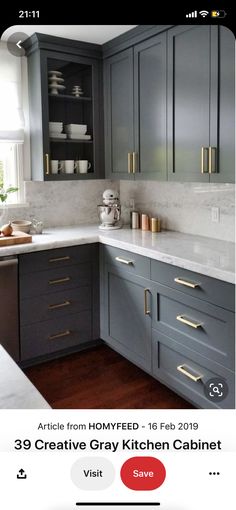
(119, 137)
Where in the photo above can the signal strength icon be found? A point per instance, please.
(192, 14)
(204, 13)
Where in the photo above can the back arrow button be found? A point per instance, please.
(18, 44)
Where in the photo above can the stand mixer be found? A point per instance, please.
(109, 213)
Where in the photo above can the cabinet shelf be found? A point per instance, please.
(59, 140)
(68, 97)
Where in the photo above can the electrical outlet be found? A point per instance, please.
(215, 214)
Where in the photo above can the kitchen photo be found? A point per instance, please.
(117, 217)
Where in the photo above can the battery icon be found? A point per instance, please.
(218, 14)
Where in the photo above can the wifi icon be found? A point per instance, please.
(204, 13)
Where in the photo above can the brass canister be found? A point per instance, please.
(144, 222)
(155, 225)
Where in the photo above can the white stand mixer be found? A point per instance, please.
(110, 212)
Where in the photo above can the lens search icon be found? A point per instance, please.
(216, 389)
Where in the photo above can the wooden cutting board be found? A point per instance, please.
(17, 237)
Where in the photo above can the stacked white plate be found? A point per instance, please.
(77, 132)
(55, 82)
(55, 130)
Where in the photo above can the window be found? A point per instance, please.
(11, 123)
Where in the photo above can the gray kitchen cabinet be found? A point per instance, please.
(119, 114)
(135, 111)
(59, 301)
(200, 104)
(162, 317)
(126, 312)
(78, 64)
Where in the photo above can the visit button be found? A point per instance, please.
(143, 473)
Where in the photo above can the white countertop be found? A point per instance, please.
(16, 391)
(204, 255)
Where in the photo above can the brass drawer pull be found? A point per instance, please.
(204, 160)
(183, 370)
(187, 283)
(146, 308)
(212, 160)
(185, 320)
(134, 162)
(59, 259)
(47, 171)
(125, 261)
(60, 335)
(60, 280)
(130, 163)
(59, 305)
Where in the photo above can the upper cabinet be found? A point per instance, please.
(135, 111)
(169, 105)
(200, 111)
(53, 61)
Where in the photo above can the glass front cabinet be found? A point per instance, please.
(66, 108)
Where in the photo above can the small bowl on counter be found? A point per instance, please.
(21, 225)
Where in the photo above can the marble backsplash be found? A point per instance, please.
(181, 207)
(184, 207)
(60, 203)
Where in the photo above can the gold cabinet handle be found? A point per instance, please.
(59, 305)
(212, 160)
(146, 308)
(125, 261)
(130, 163)
(204, 160)
(183, 370)
(185, 320)
(60, 280)
(47, 164)
(134, 162)
(67, 332)
(187, 283)
(59, 259)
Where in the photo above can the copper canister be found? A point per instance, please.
(144, 222)
(155, 225)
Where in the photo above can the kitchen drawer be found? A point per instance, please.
(55, 280)
(55, 306)
(51, 259)
(125, 260)
(55, 335)
(198, 325)
(194, 284)
(168, 355)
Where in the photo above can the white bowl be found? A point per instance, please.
(21, 225)
(76, 128)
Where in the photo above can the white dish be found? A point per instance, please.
(76, 128)
(56, 86)
(73, 136)
(21, 225)
(57, 79)
(57, 73)
(54, 134)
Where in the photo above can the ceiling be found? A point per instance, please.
(98, 34)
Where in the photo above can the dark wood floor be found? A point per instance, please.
(99, 378)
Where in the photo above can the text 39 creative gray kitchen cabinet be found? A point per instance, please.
(78, 64)
(174, 323)
(59, 300)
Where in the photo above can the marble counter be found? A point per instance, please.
(16, 391)
(204, 255)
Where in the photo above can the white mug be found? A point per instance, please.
(70, 166)
(55, 166)
(84, 166)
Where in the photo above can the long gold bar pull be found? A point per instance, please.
(204, 160)
(212, 160)
(134, 162)
(130, 163)
(67, 332)
(183, 370)
(59, 280)
(188, 322)
(47, 164)
(128, 262)
(59, 305)
(187, 283)
(59, 259)
(146, 308)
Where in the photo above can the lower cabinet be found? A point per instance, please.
(59, 301)
(168, 321)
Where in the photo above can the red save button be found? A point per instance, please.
(143, 473)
